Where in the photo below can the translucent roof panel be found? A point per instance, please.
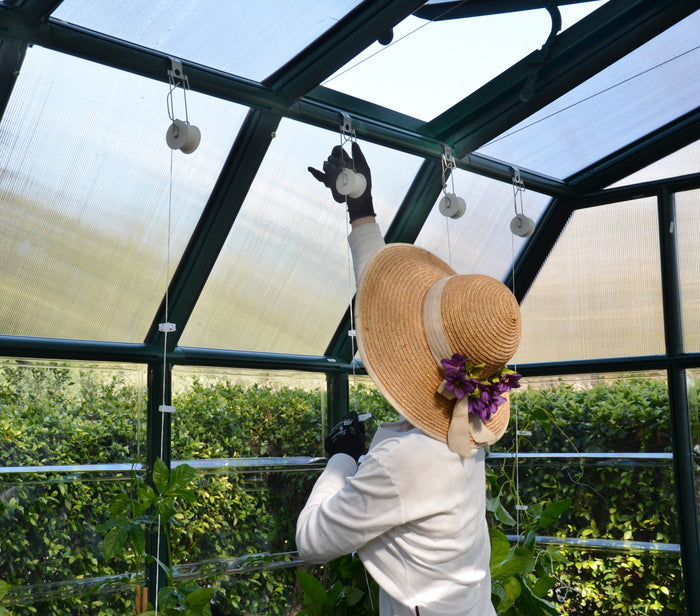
(431, 65)
(84, 197)
(622, 103)
(683, 162)
(598, 295)
(283, 280)
(252, 43)
(480, 242)
(688, 219)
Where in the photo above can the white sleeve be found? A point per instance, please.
(364, 241)
(345, 511)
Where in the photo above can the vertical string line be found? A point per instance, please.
(348, 138)
(518, 504)
(165, 359)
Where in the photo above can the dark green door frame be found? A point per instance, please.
(681, 434)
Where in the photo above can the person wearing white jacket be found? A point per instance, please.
(435, 343)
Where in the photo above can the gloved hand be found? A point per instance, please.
(337, 161)
(347, 436)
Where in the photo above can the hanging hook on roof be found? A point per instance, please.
(542, 54)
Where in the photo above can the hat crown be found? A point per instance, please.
(481, 320)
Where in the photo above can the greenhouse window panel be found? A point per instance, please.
(284, 278)
(250, 40)
(641, 92)
(598, 294)
(688, 220)
(93, 217)
(431, 65)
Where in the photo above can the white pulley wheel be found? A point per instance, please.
(350, 183)
(183, 136)
(522, 225)
(452, 206)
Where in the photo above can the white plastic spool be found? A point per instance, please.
(452, 206)
(183, 136)
(350, 183)
(522, 226)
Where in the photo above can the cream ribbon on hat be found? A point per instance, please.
(463, 427)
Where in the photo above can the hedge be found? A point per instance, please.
(51, 523)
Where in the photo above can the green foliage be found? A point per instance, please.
(147, 509)
(342, 588)
(50, 523)
(617, 500)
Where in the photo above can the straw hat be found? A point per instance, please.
(412, 310)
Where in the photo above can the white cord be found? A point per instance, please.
(165, 361)
(518, 504)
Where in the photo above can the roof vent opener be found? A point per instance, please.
(349, 183)
(450, 206)
(520, 225)
(181, 135)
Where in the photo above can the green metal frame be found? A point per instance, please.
(606, 35)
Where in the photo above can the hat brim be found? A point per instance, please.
(392, 342)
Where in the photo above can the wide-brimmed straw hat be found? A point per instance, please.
(412, 311)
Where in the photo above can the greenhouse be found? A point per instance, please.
(180, 317)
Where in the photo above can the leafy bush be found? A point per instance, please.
(50, 522)
(610, 499)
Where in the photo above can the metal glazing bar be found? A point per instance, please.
(605, 544)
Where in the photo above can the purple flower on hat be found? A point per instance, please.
(484, 396)
(486, 403)
(455, 375)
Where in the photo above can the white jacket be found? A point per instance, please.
(415, 512)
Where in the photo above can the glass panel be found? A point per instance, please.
(246, 414)
(70, 436)
(480, 242)
(682, 162)
(634, 96)
(51, 542)
(688, 219)
(252, 43)
(598, 294)
(593, 476)
(430, 66)
(70, 414)
(84, 197)
(283, 279)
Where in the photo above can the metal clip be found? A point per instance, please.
(346, 126)
(517, 180)
(175, 73)
(166, 327)
(447, 159)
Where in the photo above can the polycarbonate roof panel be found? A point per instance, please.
(598, 294)
(430, 66)
(682, 162)
(688, 220)
(480, 242)
(641, 92)
(284, 280)
(85, 192)
(251, 39)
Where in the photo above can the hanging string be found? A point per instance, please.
(165, 359)
(518, 503)
(448, 163)
(348, 137)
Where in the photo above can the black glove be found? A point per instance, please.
(334, 164)
(347, 436)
